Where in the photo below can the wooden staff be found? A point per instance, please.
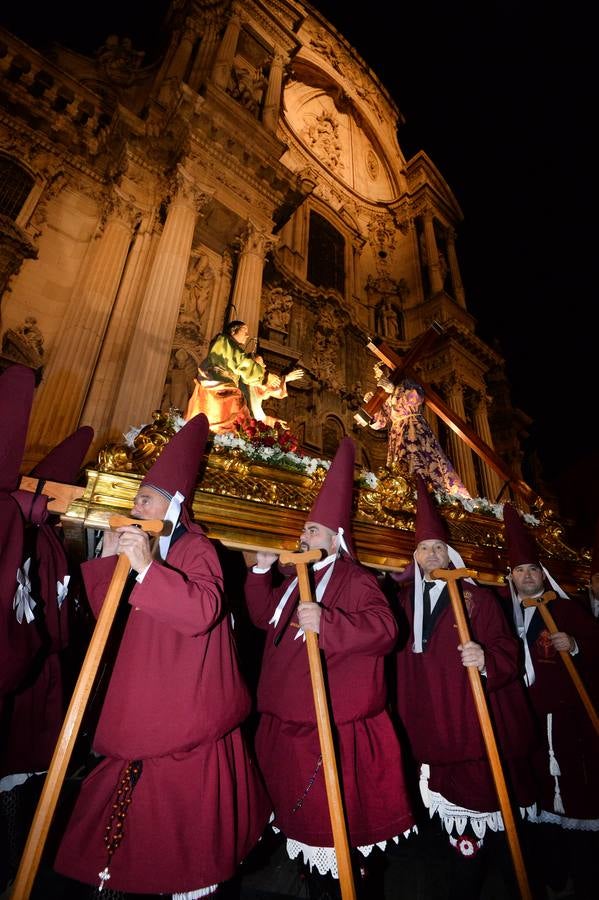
(66, 740)
(480, 701)
(327, 749)
(541, 605)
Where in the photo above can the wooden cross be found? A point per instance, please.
(403, 366)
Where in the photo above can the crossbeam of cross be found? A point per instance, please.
(401, 367)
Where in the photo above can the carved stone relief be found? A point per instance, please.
(326, 349)
(24, 343)
(321, 134)
(277, 312)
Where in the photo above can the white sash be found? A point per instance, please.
(320, 589)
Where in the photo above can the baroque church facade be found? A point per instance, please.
(251, 171)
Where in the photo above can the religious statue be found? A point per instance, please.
(387, 320)
(278, 310)
(24, 343)
(247, 87)
(323, 137)
(232, 384)
(413, 447)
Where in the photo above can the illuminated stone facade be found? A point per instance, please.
(251, 171)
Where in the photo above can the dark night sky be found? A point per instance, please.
(501, 96)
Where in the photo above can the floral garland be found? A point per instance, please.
(481, 505)
(275, 445)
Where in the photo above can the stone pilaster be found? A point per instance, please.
(492, 483)
(461, 455)
(255, 244)
(147, 363)
(180, 60)
(272, 101)
(432, 254)
(454, 269)
(67, 377)
(108, 376)
(205, 55)
(226, 53)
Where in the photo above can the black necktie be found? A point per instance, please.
(426, 611)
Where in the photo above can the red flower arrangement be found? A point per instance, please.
(260, 434)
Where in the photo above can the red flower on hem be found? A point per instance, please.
(466, 846)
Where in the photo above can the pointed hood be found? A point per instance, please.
(17, 385)
(65, 460)
(175, 472)
(333, 505)
(429, 524)
(61, 464)
(522, 548)
(176, 469)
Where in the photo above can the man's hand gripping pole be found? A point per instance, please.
(541, 604)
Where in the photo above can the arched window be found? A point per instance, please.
(15, 186)
(326, 254)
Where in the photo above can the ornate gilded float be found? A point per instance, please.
(249, 498)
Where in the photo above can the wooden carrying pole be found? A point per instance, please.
(60, 496)
(541, 605)
(44, 812)
(480, 701)
(327, 749)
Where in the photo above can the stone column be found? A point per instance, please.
(180, 60)
(215, 319)
(61, 398)
(461, 455)
(432, 254)
(272, 101)
(492, 482)
(99, 406)
(352, 277)
(147, 365)
(414, 255)
(255, 244)
(454, 269)
(205, 55)
(226, 52)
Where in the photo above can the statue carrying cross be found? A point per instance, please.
(400, 368)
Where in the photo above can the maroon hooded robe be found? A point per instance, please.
(173, 710)
(357, 631)
(175, 701)
(19, 640)
(38, 707)
(436, 704)
(574, 741)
